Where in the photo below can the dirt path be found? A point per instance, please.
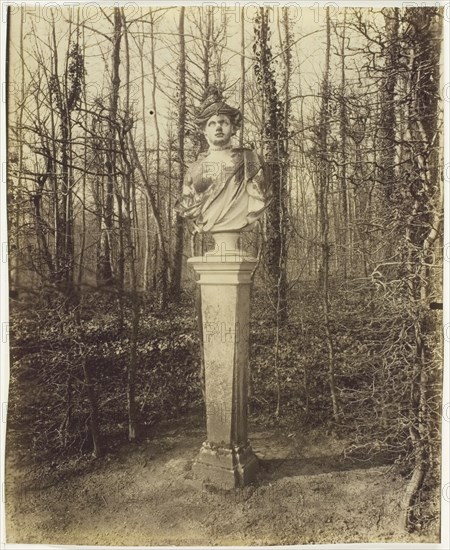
(146, 496)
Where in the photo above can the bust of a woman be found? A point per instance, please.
(224, 189)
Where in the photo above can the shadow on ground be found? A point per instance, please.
(278, 468)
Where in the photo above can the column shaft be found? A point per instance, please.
(226, 457)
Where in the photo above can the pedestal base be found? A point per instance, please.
(225, 468)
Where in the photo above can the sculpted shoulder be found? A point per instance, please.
(201, 157)
(251, 156)
(195, 168)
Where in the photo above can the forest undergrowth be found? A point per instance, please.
(50, 405)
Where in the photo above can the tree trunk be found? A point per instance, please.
(242, 83)
(128, 197)
(104, 267)
(274, 135)
(93, 405)
(323, 191)
(345, 230)
(179, 224)
(424, 220)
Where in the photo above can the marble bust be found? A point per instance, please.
(225, 190)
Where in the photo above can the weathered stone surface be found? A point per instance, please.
(226, 458)
(226, 468)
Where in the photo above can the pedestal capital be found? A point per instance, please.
(229, 269)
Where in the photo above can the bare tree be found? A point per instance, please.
(179, 224)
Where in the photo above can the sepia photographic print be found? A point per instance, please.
(224, 263)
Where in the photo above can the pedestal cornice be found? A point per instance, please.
(223, 270)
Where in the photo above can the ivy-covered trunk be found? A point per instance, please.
(274, 134)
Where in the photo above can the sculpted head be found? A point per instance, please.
(218, 120)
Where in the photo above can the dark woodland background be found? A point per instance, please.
(344, 106)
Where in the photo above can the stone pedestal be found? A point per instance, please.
(226, 459)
